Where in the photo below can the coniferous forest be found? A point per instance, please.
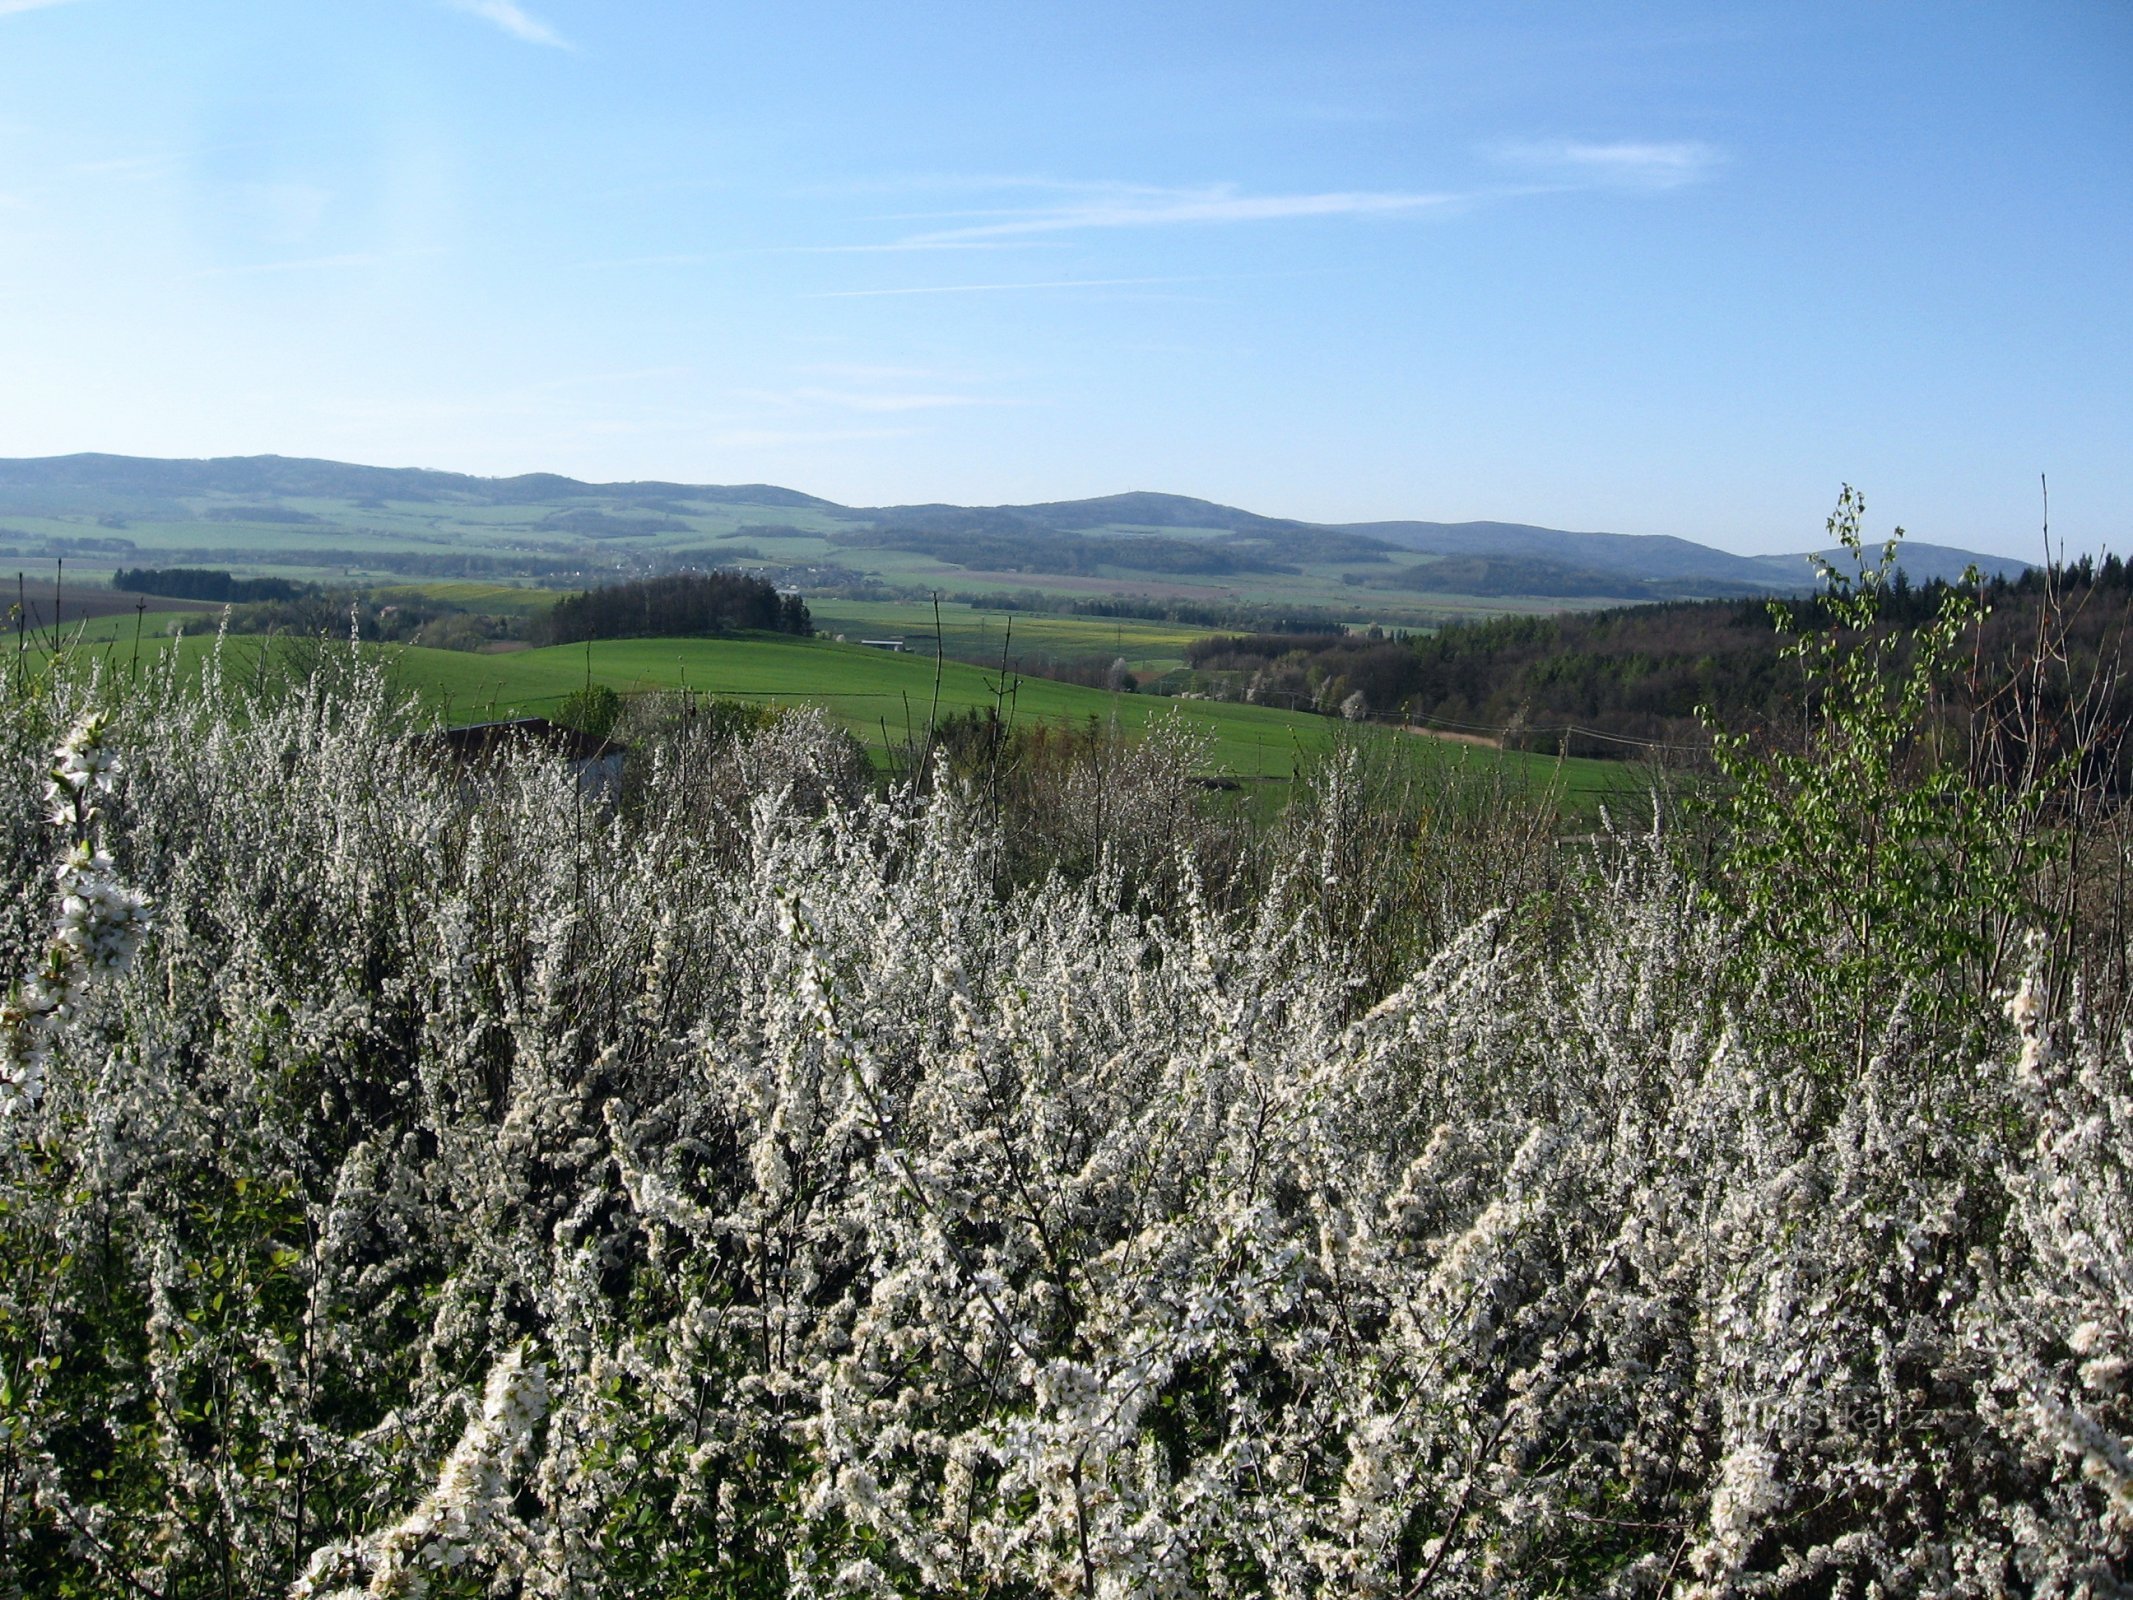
(675, 606)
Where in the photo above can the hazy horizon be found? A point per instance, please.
(1808, 544)
(1682, 272)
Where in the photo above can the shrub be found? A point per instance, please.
(468, 1192)
(1866, 872)
(592, 710)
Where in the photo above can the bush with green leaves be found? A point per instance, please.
(593, 710)
(1864, 871)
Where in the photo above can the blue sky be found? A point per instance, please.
(1649, 268)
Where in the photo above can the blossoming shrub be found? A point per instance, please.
(464, 1189)
(98, 925)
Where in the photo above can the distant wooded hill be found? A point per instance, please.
(539, 525)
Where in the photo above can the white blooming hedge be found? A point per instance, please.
(463, 1189)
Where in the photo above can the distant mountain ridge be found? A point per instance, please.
(1143, 531)
(1640, 554)
(306, 476)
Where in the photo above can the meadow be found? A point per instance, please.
(984, 636)
(885, 700)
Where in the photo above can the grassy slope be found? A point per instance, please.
(496, 599)
(979, 635)
(871, 692)
(876, 695)
(119, 627)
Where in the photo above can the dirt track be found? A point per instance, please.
(48, 605)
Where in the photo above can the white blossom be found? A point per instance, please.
(808, 1210)
(95, 931)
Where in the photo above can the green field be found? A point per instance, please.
(969, 633)
(883, 699)
(496, 599)
(121, 627)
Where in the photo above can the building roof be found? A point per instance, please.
(479, 741)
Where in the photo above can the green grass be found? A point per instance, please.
(120, 627)
(883, 699)
(976, 634)
(494, 599)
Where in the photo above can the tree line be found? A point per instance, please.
(204, 583)
(681, 604)
(1623, 681)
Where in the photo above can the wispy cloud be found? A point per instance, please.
(877, 402)
(1142, 206)
(866, 396)
(577, 380)
(9, 7)
(981, 182)
(874, 372)
(692, 258)
(898, 246)
(508, 16)
(783, 439)
(1626, 163)
(159, 163)
(701, 258)
(885, 401)
(149, 166)
(1066, 207)
(998, 288)
(368, 258)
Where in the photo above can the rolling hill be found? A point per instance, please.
(370, 524)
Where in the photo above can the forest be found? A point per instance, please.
(1637, 681)
(202, 583)
(680, 605)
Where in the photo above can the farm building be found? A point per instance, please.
(597, 762)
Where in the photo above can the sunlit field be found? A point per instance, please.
(884, 700)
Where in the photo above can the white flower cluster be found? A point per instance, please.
(466, 1519)
(819, 1218)
(2064, 1337)
(98, 926)
(84, 770)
